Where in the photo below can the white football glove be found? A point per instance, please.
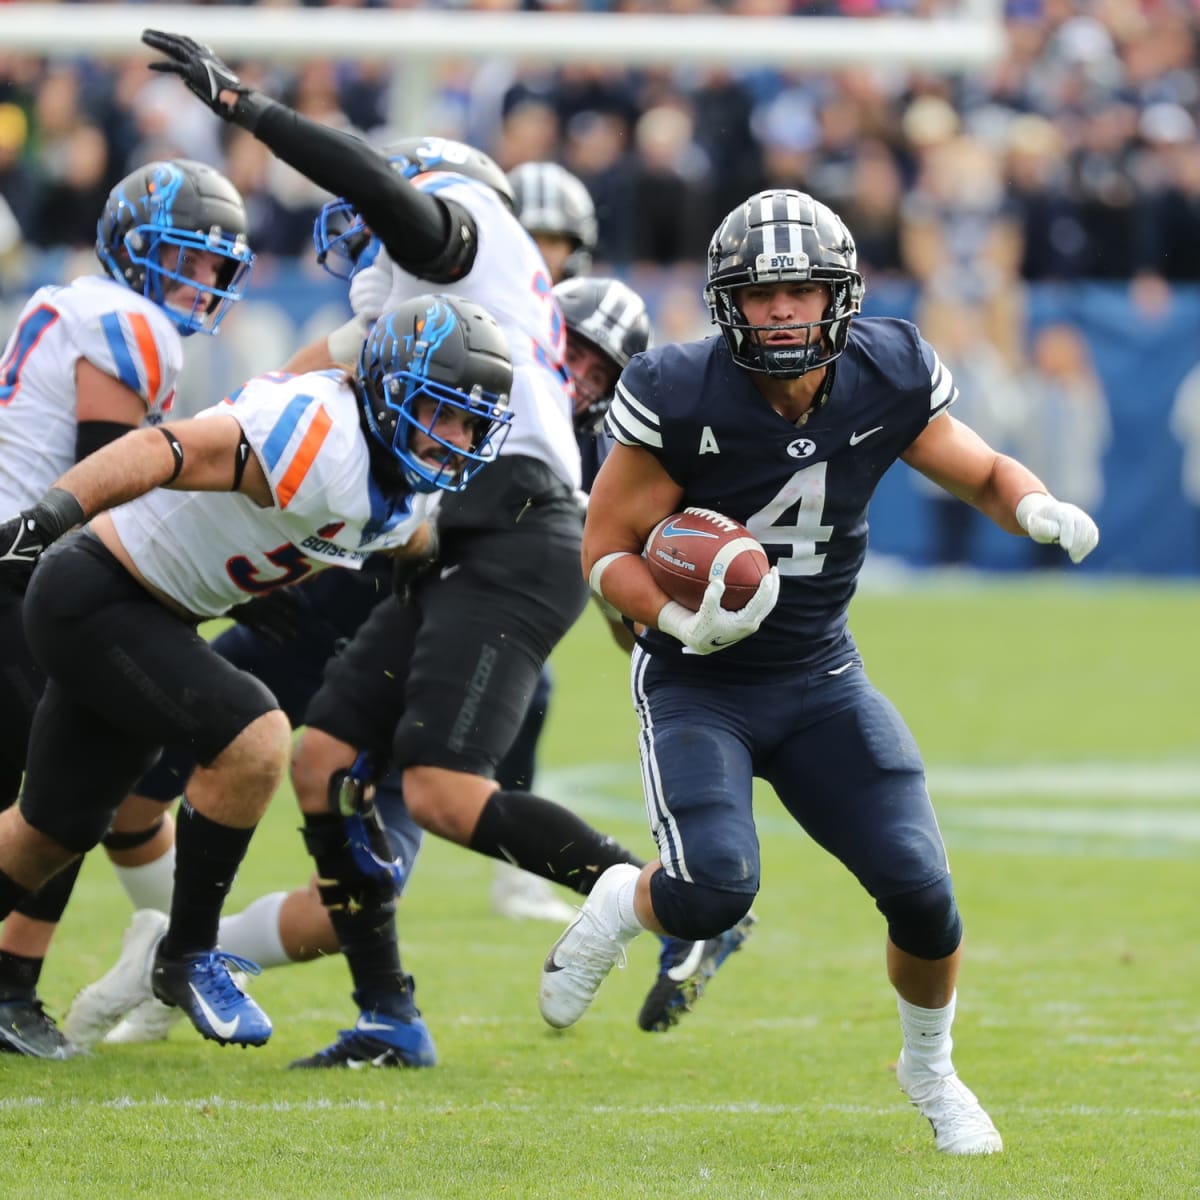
(1048, 520)
(371, 288)
(714, 628)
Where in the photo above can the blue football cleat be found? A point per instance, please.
(377, 1040)
(684, 969)
(200, 984)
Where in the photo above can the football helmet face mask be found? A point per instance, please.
(550, 200)
(610, 318)
(157, 220)
(779, 236)
(449, 351)
(344, 245)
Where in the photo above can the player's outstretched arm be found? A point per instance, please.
(413, 226)
(958, 459)
(206, 455)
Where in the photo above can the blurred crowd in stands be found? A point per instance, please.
(1075, 158)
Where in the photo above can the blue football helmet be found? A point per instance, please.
(443, 349)
(775, 237)
(157, 219)
(344, 245)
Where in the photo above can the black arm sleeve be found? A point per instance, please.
(91, 435)
(421, 233)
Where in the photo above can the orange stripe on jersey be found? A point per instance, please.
(303, 458)
(148, 350)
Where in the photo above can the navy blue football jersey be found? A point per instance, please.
(803, 491)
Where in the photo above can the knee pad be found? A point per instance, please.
(132, 840)
(924, 923)
(694, 912)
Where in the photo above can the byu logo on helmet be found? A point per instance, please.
(801, 448)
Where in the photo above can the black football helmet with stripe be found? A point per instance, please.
(550, 200)
(777, 236)
(611, 318)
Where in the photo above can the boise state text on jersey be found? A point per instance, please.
(807, 498)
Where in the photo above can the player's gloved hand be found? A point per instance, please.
(370, 289)
(1048, 520)
(24, 537)
(277, 616)
(205, 74)
(714, 628)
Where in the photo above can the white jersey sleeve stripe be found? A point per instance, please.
(625, 423)
(943, 391)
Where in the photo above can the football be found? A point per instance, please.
(692, 547)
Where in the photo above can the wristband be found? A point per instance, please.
(55, 513)
(601, 565)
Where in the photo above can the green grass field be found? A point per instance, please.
(1060, 724)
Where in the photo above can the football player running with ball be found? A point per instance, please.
(787, 422)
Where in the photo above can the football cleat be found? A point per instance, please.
(377, 1040)
(149, 1021)
(960, 1126)
(102, 1004)
(201, 985)
(591, 946)
(524, 897)
(27, 1028)
(684, 969)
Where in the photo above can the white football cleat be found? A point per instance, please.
(592, 944)
(524, 897)
(100, 1005)
(960, 1126)
(149, 1021)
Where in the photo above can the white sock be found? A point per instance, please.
(254, 932)
(927, 1040)
(151, 884)
(626, 914)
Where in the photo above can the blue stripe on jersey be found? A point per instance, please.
(386, 511)
(279, 437)
(114, 334)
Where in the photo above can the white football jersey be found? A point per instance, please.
(510, 280)
(211, 550)
(118, 331)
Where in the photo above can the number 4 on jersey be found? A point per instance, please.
(805, 493)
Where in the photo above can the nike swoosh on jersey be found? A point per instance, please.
(855, 438)
(674, 530)
(224, 1029)
(842, 669)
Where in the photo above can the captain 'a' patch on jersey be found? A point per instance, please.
(211, 550)
(117, 331)
(803, 491)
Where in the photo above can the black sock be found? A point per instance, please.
(362, 910)
(207, 857)
(11, 894)
(49, 902)
(543, 837)
(19, 976)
